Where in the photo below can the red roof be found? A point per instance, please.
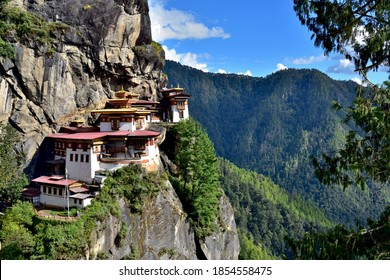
(78, 136)
(31, 192)
(53, 181)
(97, 135)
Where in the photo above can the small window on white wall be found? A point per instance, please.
(115, 124)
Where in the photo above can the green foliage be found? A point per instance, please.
(171, 252)
(60, 240)
(198, 182)
(17, 25)
(365, 157)
(151, 52)
(122, 235)
(338, 25)
(6, 49)
(339, 243)
(25, 236)
(265, 213)
(12, 179)
(158, 49)
(134, 184)
(102, 256)
(16, 237)
(366, 154)
(86, 7)
(134, 253)
(273, 125)
(250, 251)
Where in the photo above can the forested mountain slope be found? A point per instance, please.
(272, 125)
(266, 214)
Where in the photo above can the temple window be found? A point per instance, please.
(139, 144)
(115, 124)
(181, 105)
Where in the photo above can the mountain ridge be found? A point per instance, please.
(273, 124)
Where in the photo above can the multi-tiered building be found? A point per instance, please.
(125, 135)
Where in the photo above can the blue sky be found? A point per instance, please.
(249, 37)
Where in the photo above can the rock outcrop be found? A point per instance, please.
(107, 45)
(223, 245)
(163, 232)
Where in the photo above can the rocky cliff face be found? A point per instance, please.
(162, 231)
(107, 45)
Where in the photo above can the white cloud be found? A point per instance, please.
(221, 71)
(176, 24)
(247, 73)
(361, 35)
(357, 80)
(308, 60)
(280, 67)
(189, 59)
(344, 66)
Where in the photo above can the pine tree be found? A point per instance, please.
(360, 30)
(12, 179)
(200, 175)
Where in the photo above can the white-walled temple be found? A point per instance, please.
(83, 153)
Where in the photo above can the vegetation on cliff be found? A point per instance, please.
(26, 235)
(197, 180)
(17, 25)
(12, 178)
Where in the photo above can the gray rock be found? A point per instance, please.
(95, 57)
(162, 231)
(223, 245)
(107, 46)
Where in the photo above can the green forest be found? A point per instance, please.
(325, 140)
(24, 235)
(273, 126)
(303, 159)
(266, 213)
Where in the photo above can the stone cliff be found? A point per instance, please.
(107, 45)
(162, 231)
